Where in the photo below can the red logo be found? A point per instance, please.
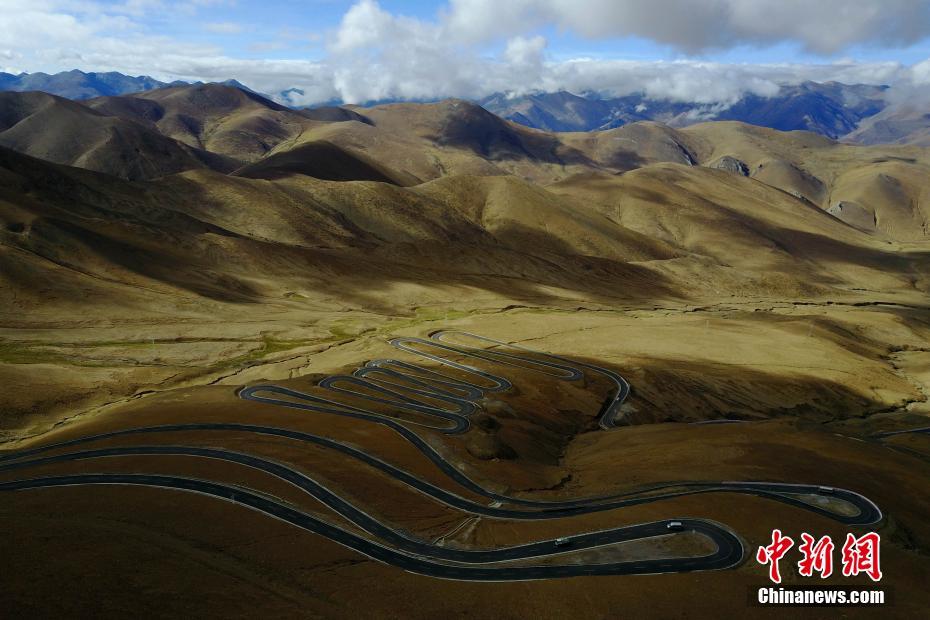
(773, 553)
(859, 555)
(817, 556)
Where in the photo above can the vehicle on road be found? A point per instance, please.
(563, 541)
(675, 526)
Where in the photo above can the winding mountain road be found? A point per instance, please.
(449, 399)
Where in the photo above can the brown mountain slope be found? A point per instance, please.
(206, 249)
(746, 237)
(452, 137)
(322, 160)
(529, 216)
(205, 236)
(201, 238)
(878, 188)
(113, 289)
(334, 114)
(634, 145)
(889, 195)
(63, 131)
(411, 143)
(213, 117)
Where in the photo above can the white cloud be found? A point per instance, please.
(377, 55)
(367, 25)
(474, 48)
(820, 26)
(525, 51)
(920, 73)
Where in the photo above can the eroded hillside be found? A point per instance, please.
(252, 232)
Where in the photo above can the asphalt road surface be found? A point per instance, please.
(729, 550)
(448, 400)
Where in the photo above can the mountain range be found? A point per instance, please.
(76, 84)
(233, 131)
(162, 250)
(830, 109)
(209, 200)
(857, 113)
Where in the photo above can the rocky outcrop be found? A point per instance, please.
(730, 164)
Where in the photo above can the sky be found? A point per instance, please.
(710, 51)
